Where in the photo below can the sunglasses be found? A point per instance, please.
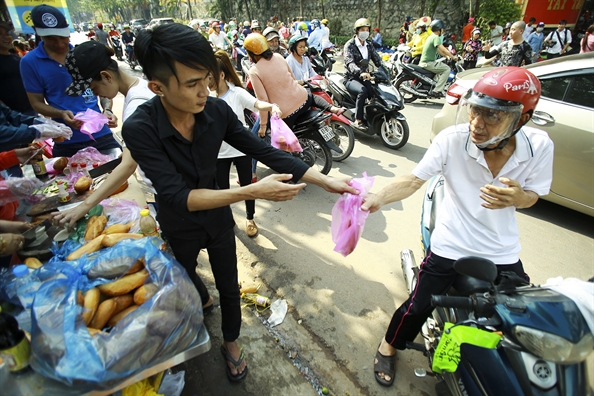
(489, 116)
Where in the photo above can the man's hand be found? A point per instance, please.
(503, 197)
(68, 118)
(339, 186)
(487, 47)
(371, 203)
(68, 218)
(262, 131)
(23, 154)
(272, 188)
(16, 227)
(14, 243)
(113, 120)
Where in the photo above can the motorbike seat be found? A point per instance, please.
(305, 119)
(466, 285)
(421, 70)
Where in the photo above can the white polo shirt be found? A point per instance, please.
(464, 227)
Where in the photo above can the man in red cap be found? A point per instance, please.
(467, 30)
(377, 39)
(102, 36)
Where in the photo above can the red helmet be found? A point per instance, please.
(215, 25)
(500, 97)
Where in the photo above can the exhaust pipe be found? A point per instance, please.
(412, 91)
(409, 269)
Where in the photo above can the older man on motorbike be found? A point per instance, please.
(432, 47)
(492, 164)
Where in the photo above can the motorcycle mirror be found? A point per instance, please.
(477, 267)
(364, 62)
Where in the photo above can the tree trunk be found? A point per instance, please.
(247, 10)
(301, 8)
(422, 8)
(379, 14)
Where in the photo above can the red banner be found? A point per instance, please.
(552, 11)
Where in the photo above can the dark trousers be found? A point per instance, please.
(436, 277)
(363, 90)
(553, 56)
(223, 262)
(243, 165)
(469, 65)
(106, 142)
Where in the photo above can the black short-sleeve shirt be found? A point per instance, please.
(176, 166)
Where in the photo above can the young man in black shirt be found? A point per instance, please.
(175, 138)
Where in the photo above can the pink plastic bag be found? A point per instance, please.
(92, 121)
(282, 137)
(348, 219)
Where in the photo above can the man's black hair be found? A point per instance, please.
(491, 23)
(158, 49)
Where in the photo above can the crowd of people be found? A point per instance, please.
(184, 126)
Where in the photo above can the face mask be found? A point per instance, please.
(363, 35)
(418, 31)
(539, 29)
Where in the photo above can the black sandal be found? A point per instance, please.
(385, 365)
(240, 376)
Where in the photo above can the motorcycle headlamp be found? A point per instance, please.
(554, 348)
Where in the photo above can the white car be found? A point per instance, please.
(565, 111)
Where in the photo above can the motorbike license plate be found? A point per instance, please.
(326, 133)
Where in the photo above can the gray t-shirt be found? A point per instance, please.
(101, 36)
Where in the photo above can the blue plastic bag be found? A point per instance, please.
(165, 325)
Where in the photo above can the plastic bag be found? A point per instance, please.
(50, 129)
(141, 388)
(348, 220)
(282, 137)
(15, 188)
(92, 121)
(122, 211)
(173, 384)
(162, 327)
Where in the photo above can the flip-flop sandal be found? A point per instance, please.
(207, 310)
(236, 363)
(385, 365)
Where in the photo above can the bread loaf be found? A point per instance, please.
(90, 304)
(89, 247)
(82, 184)
(33, 263)
(80, 299)
(125, 284)
(145, 293)
(137, 266)
(117, 229)
(123, 302)
(95, 226)
(112, 239)
(104, 313)
(116, 318)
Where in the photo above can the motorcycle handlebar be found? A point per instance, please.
(452, 302)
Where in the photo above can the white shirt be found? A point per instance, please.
(218, 40)
(326, 38)
(496, 30)
(362, 48)
(136, 96)
(559, 44)
(238, 99)
(464, 227)
(315, 38)
(527, 31)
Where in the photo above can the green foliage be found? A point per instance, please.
(335, 26)
(500, 11)
(339, 40)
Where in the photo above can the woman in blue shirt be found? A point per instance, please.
(300, 64)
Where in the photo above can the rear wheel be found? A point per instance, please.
(394, 132)
(406, 81)
(344, 137)
(316, 153)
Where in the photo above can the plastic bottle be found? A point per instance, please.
(39, 170)
(14, 346)
(83, 169)
(23, 285)
(62, 193)
(148, 225)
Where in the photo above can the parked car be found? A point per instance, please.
(160, 21)
(138, 23)
(565, 111)
(200, 21)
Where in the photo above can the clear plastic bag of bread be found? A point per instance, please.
(64, 345)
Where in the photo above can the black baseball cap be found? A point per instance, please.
(49, 21)
(84, 62)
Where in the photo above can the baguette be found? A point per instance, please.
(94, 332)
(125, 284)
(112, 239)
(116, 318)
(90, 304)
(123, 302)
(32, 262)
(145, 293)
(117, 229)
(80, 299)
(90, 247)
(137, 266)
(95, 226)
(104, 313)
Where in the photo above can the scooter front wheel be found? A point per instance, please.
(344, 137)
(394, 132)
(316, 153)
(406, 81)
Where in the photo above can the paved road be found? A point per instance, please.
(340, 307)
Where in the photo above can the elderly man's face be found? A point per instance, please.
(516, 31)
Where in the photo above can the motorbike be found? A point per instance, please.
(117, 47)
(382, 111)
(131, 58)
(320, 61)
(544, 338)
(344, 137)
(415, 82)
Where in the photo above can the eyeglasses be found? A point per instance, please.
(490, 117)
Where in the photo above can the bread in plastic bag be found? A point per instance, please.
(348, 220)
(282, 137)
(165, 325)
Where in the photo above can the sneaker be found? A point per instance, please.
(438, 95)
(359, 125)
